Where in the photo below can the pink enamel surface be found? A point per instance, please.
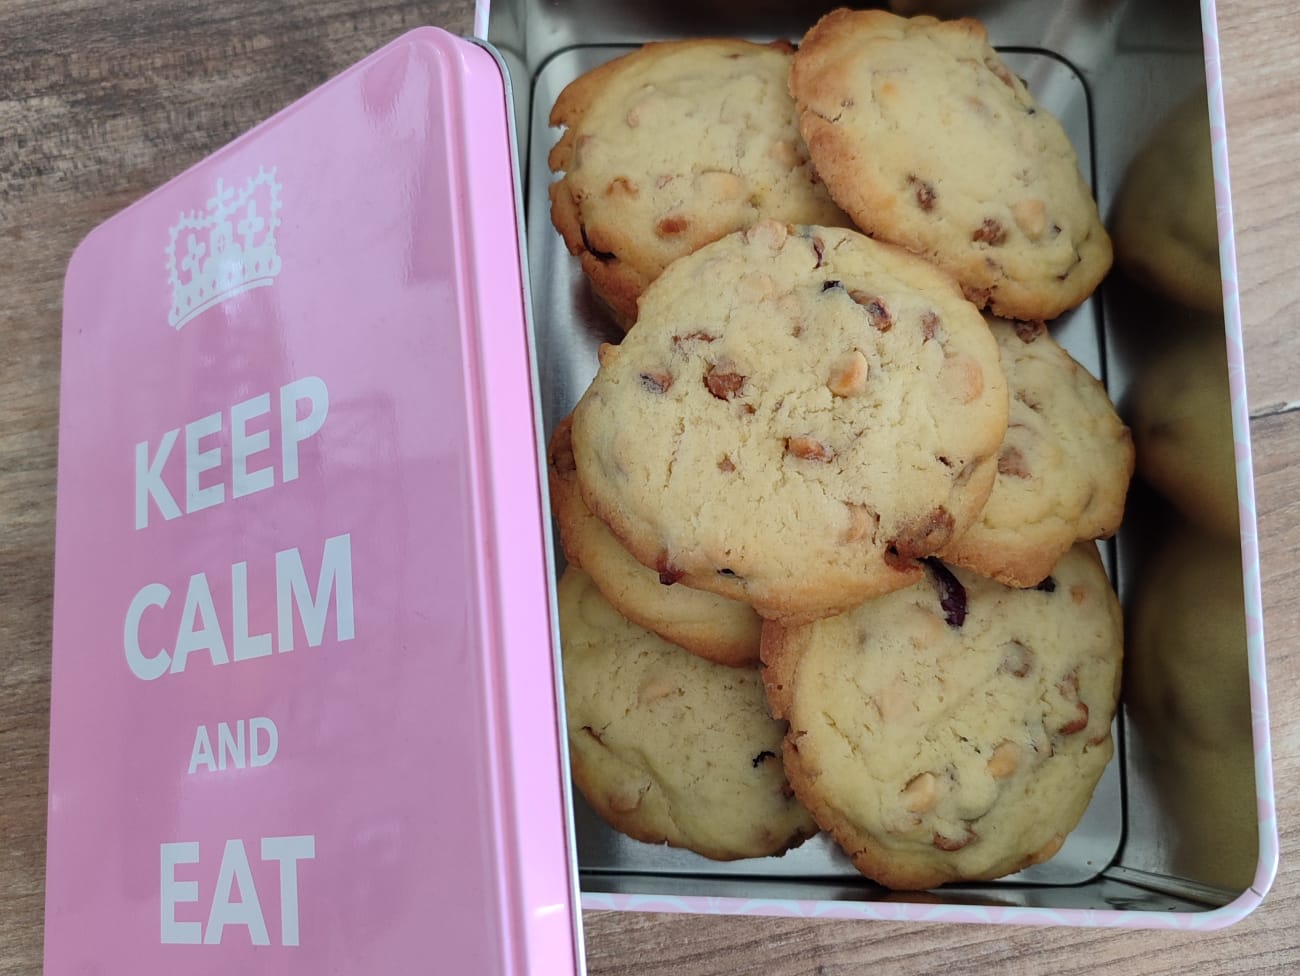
(418, 745)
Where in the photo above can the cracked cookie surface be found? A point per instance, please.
(1063, 469)
(666, 746)
(673, 146)
(794, 420)
(928, 140)
(954, 730)
(714, 627)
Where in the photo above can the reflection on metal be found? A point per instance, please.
(1114, 71)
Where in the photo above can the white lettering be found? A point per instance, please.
(141, 665)
(239, 744)
(230, 744)
(289, 851)
(198, 461)
(174, 892)
(291, 590)
(194, 636)
(244, 445)
(247, 911)
(258, 756)
(247, 646)
(149, 483)
(201, 754)
(199, 629)
(294, 431)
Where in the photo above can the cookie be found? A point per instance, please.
(793, 420)
(714, 627)
(955, 730)
(927, 140)
(1063, 469)
(1166, 221)
(673, 146)
(1182, 426)
(667, 747)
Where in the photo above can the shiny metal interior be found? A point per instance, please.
(1111, 70)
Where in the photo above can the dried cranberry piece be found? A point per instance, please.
(1029, 331)
(952, 595)
(692, 337)
(924, 192)
(1048, 585)
(668, 573)
(990, 232)
(668, 226)
(656, 381)
(586, 242)
(929, 326)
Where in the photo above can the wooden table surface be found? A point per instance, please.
(102, 101)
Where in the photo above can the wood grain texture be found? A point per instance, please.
(101, 102)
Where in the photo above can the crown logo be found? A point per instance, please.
(225, 250)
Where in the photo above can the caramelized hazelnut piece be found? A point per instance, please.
(722, 383)
(1005, 759)
(848, 374)
(954, 843)
(1018, 660)
(1031, 217)
(808, 449)
(877, 312)
(862, 523)
(924, 536)
(921, 793)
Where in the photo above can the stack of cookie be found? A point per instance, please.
(812, 447)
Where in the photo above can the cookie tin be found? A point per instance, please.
(1181, 833)
(306, 712)
(305, 705)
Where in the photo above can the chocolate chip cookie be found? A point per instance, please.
(1063, 469)
(927, 140)
(714, 627)
(673, 146)
(955, 730)
(795, 419)
(667, 747)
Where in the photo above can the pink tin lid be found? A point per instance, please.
(305, 706)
